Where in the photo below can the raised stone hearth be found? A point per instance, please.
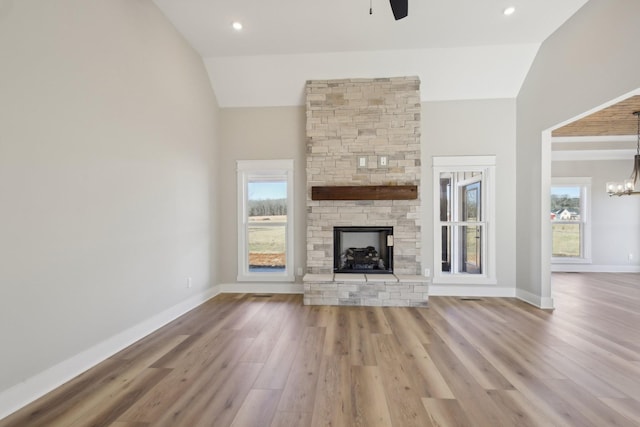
(366, 290)
(364, 132)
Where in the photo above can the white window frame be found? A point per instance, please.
(267, 169)
(585, 219)
(487, 166)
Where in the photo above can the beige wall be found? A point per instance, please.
(591, 59)
(107, 133)
(258, 134)
(483, 127)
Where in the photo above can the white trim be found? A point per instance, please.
(470, 291)
(485, 165)
(593, 139)
(545, 303)
(464, 279)
(491, 292)
(268, 169)
(266, 277)
(36, 386)
(545, 225)
(262, 288)
(585, 217)
(264, 167)
(591, 155)
(590, 268)
(571, 180)
(567, 260)
(452, 161)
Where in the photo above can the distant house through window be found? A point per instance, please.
(569, 215)
(265, 220)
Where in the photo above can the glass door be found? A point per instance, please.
(471, 234)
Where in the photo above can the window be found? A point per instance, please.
(464, 216)
(265, 220)
(570, 228)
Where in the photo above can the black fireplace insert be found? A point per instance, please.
(363, 250)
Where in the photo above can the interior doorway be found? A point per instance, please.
(612, 118)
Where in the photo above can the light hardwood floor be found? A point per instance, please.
(247, 360)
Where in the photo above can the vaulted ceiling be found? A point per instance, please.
(460, 49)
(304, 26)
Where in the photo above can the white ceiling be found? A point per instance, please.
(440, 41)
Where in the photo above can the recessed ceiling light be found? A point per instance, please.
(509, 11)
(237, 26)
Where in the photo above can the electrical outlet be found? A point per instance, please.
(630, 257)
(362, 162)
(383, 161)
(299, 271)
(427, 272)
(188, 282)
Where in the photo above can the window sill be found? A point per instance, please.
(461, 279)
(570, 260)
(266, 278)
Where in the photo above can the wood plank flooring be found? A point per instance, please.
(243, 360)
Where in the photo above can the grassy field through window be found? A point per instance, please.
(267, 242)
(566, 240)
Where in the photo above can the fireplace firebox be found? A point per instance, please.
(363, 250)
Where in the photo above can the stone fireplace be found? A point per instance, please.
(365, 134)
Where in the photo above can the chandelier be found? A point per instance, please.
(628, 186)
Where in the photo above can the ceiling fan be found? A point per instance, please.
(400, 8)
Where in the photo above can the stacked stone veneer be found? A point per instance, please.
(353, 118)
(388, 290)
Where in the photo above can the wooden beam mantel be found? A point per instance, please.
(365, 192)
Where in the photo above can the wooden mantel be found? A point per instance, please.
(365, 192)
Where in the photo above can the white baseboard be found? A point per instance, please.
(470, 291)
(545, 303)
(34, 387)
(490, 291)
(262, 288)
(590, 268)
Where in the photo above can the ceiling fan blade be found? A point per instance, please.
(400, 8)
